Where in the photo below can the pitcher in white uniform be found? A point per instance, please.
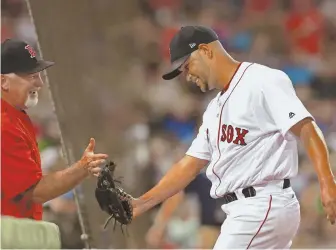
(248, 141)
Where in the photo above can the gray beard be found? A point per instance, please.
(31, 102)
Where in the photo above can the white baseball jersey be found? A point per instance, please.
(244, 130)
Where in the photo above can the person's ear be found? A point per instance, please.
(4, 83)
(206, 50)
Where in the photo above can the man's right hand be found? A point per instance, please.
(90, 161)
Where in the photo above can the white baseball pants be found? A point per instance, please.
(268, 220)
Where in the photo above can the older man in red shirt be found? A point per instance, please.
(23, 187)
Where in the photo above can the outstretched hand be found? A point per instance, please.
(92, 161)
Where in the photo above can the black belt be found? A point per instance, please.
(248, 192)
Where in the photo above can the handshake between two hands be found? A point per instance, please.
(111, 198)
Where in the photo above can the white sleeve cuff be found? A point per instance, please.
(296, 119)
(199, 156)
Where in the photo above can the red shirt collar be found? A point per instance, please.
(8, 108)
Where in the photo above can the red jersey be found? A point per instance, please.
(311, 40)
(20, 163)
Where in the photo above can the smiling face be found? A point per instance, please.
(21, 90)
(199, 69)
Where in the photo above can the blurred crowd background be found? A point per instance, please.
(159, 119)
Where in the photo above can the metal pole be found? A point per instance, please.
(85, 237)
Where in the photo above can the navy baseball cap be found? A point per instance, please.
(184, 43)
(19, 57)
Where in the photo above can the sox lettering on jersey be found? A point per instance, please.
(238, 134)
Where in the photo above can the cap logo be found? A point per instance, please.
(31, 51)
(192, 45)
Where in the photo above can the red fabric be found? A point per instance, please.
(258, 5)
(306, 31)
(20, 163)
(5, 33)
(166, 36)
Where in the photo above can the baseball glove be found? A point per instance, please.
(113, 199)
